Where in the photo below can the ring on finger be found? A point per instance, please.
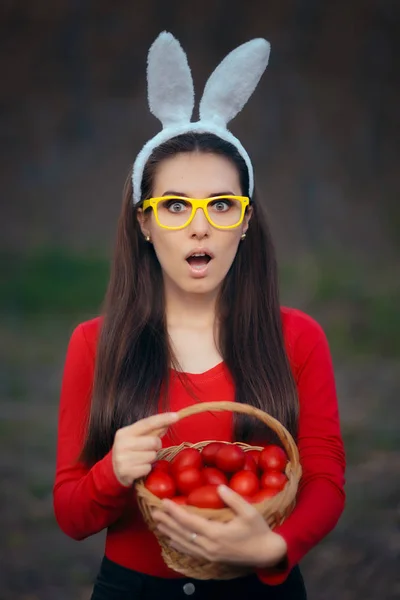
(193, 537)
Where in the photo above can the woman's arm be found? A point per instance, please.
(85, 500)
(321, 497)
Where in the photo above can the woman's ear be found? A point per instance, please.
(247, 217)
(143, 220)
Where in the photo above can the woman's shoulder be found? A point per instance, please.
(301, 331)
(86, 334)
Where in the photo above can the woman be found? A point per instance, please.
(192, 314)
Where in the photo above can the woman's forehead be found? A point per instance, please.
(196, 174)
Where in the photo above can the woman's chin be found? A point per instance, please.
(201, 286)
(204, 285)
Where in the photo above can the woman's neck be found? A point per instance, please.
(190, 310)
(192, 329)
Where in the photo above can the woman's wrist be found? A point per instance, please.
(274, 551)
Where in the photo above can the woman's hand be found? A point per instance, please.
(246, 540)
(135, 446)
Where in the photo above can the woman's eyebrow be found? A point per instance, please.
(222, 194)
(172, 193)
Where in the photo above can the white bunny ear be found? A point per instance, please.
(233, 82)
(170, 83)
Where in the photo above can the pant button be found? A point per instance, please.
(189, 589)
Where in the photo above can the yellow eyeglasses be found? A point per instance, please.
(176, 212)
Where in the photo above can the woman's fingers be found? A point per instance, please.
(139, 471)
(182, 544)
(240, 506)
(180, 535)
(130, 465)
(145, 442)
(162, 431)
(144, 457)
(190, 521)
(167, 522)
(135, 446)
(151, 424)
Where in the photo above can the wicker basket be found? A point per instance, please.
(274, 509)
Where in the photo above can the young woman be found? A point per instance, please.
(192, 314)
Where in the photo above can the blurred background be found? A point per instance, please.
(323, 131)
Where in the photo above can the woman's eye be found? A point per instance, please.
(174, 206)
(221, 205)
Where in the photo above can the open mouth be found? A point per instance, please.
(199, 260)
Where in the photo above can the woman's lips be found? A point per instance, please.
(199, 265)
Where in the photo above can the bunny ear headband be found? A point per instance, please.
(171, 96)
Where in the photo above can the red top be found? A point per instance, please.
(88, 500)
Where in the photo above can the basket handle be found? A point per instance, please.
(283, 434)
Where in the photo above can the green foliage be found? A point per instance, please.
(53, 281)
(361, 440)
(356, 304)
(40, 488)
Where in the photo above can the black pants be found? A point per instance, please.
(118, 583)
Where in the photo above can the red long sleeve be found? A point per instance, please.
(320, 499)
(87, 501)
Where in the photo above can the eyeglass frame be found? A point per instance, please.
(196, 204)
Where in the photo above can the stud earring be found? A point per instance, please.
(243, 236)
(147, 238)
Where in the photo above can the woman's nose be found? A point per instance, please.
(199, 226)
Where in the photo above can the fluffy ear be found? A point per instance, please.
(169, 80)
(233, 81)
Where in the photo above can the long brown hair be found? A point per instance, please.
(134, 355)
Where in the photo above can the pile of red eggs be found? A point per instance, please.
(193, 476)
